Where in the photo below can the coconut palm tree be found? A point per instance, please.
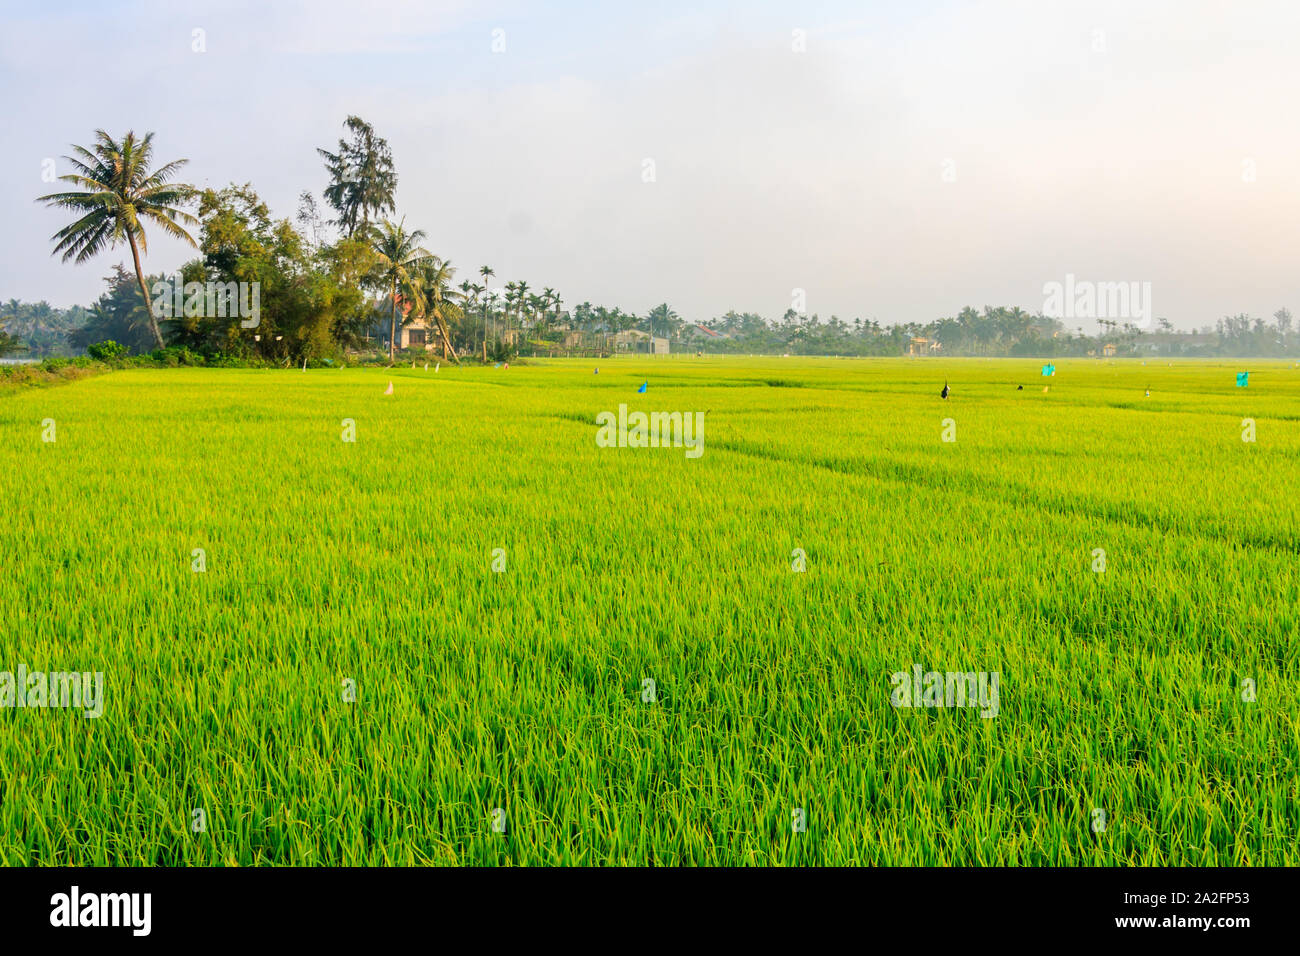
(118, 193)
(435, 297)
(663, 318)
(400, 257)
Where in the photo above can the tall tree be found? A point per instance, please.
(118, 193)
(399, 255)
(553, 300)
(486, 272)
(511, 302)
(521, 302)
(664, 319)
(436, 298)
(362, 178)
(537, 310)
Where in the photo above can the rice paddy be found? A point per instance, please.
(473, 636)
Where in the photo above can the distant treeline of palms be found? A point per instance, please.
(1001, 331)
(37, 330)
(348, 278)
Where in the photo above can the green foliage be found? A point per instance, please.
(363, 180)
(118, 314)
(398, 258)
(310, 298)
(57, 370)
(107, 350)
(37, 329)
(117, 194)
(9, 345)
(523, 689)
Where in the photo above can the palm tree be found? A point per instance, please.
(662, 317)
(473, 293)
(118, 193)
(536, 306)
(548, 298)
(486, 272)
(521, 301)
(469, 294)
(476, 295)
(508, 302)
(400, 255)
(436, 297)
(495, 306)
(9, 344)
(11, 324)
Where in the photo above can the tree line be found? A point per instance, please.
(342, 281)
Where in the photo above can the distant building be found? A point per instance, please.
(1108, 350)
(919, 345)
(637, 342)
(411, 333)
(702, 335)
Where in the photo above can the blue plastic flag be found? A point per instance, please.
(1049, 369)
(642, 388)
(1243, 379)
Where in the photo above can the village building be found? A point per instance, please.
(637, 342)
(701, 336)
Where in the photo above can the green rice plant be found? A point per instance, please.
(474, 636)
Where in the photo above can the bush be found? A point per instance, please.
(107, 350)
(172, 356)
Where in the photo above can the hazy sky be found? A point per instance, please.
(914, 158)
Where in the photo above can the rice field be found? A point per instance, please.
(473, 636)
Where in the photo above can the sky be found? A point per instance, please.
(892, 161)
